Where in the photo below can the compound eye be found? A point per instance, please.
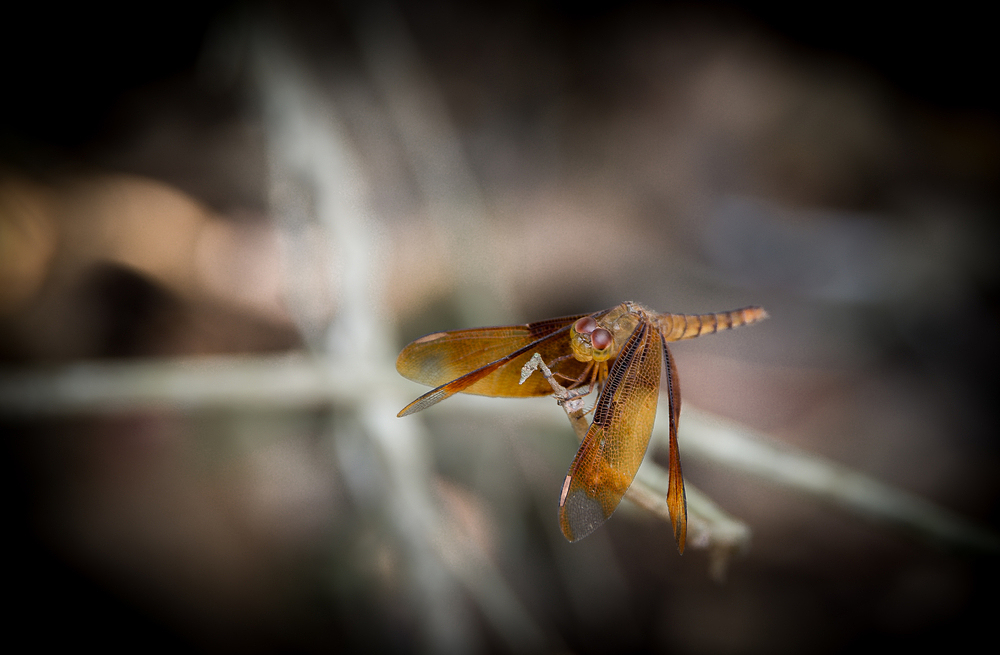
(585, 325)
(601, 339)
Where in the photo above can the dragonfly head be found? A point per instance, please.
(590, 342)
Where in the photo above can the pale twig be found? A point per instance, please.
(310, 145)
(723, 442)
(289, 381)
(313, 151)
(433, 148)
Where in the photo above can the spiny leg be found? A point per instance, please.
(572, 382)
(571, 400)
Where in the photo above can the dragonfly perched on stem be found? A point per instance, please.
(620, 351)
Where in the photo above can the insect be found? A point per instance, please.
(621, 351)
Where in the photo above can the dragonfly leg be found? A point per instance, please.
(570, 383)
(597, 376)
(577, 381)
(571, 398)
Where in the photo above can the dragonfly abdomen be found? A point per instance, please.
(675, 327)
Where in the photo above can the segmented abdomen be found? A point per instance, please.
(675, 327)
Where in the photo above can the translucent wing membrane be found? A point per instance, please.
(488, 361)
(676, 497)
(616, 442)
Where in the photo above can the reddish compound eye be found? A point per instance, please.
(601, 339)
(585, 325)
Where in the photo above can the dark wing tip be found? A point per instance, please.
(410, 409)
(432, 397)
(579, 515)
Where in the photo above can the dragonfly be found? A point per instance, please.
(621, 352)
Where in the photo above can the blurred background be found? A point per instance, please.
(219, 223)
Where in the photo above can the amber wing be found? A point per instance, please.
(619, 434)
(676, 496)
(488, 361)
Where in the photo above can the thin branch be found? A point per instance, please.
(288, 381)
(309, 144)
(738, 447)
(436, 157)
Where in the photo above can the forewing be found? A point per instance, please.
(488, 361)
(619, 434)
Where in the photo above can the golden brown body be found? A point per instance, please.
(623, 350)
